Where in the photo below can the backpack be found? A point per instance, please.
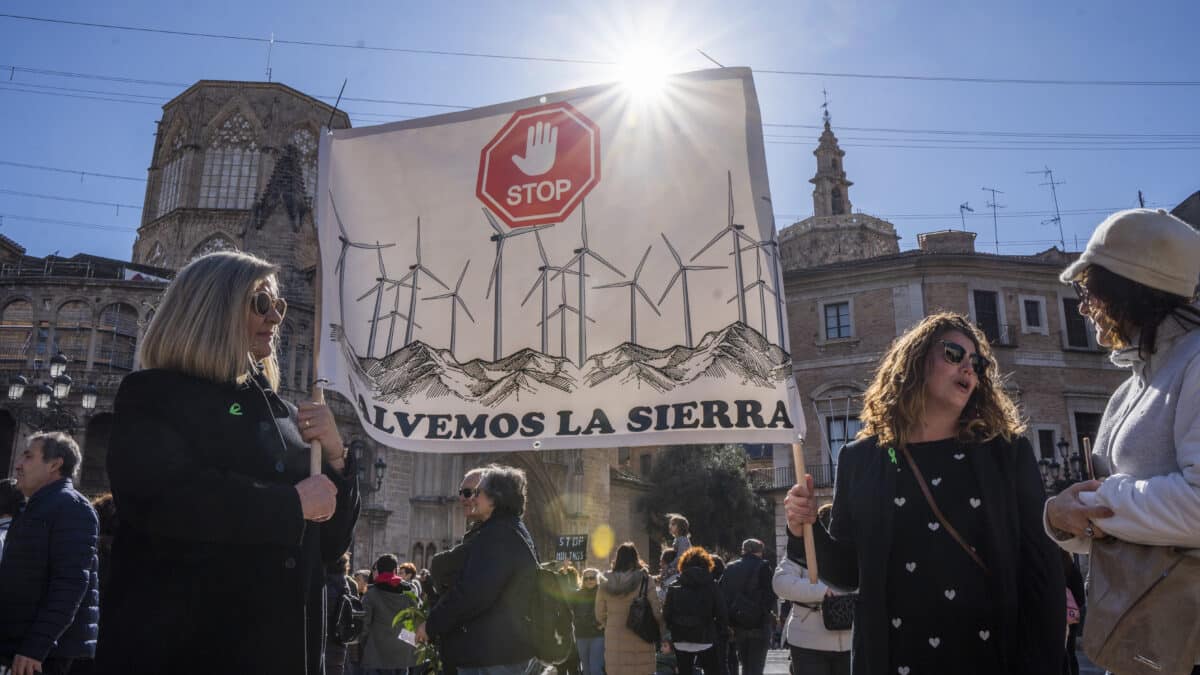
(347, 623)
(746, 611)
(549, 620)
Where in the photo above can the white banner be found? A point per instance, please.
(590, 268)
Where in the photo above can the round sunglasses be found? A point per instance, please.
(467, 493)
(262, 302)
(954, 353)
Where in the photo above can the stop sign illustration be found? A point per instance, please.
(540, 165)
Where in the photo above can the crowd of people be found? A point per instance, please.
(220, 550)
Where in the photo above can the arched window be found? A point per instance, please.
(305, 143)
(300, 369)
(174, 175)
(575, 488)
(230, 178)
(430, 551)
(284, 353)
(217, 242)
(73, 330)
(418, 555)
(117, 336)
(837, 206)
(16, 330)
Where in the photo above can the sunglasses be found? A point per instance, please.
(263, 302)
(589, 578)
(467, 493)
(954, 353)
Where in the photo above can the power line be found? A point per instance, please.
(599, 62)
(58, 198)
(68, 223)
(72, 172)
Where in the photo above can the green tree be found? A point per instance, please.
(708, 484)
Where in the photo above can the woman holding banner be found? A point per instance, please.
(937, 518)
(210, 472)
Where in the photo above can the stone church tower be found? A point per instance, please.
(834, 233)
(235, 167)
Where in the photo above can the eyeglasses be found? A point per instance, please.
(954, 353)
(1081, 291)
(262, 302)
(589, 578)
(467, 493)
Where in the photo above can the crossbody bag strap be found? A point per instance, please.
(938, 512)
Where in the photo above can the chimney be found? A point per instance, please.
(947, 241)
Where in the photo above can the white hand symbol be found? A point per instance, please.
(541, 146)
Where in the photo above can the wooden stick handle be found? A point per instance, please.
(810, 548)
(1087, 458)
(314, 446)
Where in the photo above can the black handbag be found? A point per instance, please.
(641, 616)
(837, 611)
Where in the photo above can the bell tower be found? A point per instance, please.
(831, 191)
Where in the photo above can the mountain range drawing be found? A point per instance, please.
(420, 371)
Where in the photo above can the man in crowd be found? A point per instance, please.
(746, 587)
(11, 501)
(48, 576)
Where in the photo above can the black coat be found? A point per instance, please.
(483, 620)
(1026, 573)
(49, 598)
(750, 576)
(694, 610)
(583, 613)
(214, 568)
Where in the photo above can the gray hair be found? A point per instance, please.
(506, 487)
(200, 327)
(753, 546)
(57, 445)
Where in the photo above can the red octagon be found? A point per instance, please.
(540, 165)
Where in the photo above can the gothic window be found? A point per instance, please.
(305, 143)
(284, 353)
(156, 254)
(300, 371)
(171, 188)
(16, 330)
(230, 178)
(575, 491)
(418, 555)
(212, 245)
(117, 336)
(837, 206)
(74, 330)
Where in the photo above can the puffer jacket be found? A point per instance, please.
(694, 610)
(805, 628)
(49, 583)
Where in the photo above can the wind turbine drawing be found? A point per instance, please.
(634, 289)
(455, 301)
(414, 273)
(340, 267)
(762, 286)
(561, 313)
(395, 284)
(581, 256)
(380, 281)
(735, 232)
(500, 235)
(681, 275)
(543, 280)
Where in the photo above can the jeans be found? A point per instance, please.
(591, 655)
(511, 669)
(816, 662)
(707, 659)
(751, 651)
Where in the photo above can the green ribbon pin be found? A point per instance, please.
(892, 455)
(236, 409)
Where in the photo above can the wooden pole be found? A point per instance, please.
(810, 548)
(1087, 453)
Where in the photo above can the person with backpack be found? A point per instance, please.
(746, 586)
(695, 613)
(628, 582)
(337, 587)
(383, 652)
(480, 618)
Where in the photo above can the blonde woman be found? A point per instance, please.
(937, 518)
(209, 470)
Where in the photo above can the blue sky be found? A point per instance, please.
(916, 179)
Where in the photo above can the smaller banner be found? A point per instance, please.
(571, 547)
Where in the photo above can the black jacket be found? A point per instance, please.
(1026, 573)
(583, 612)
(694, 610)
(214, 568)
(749, 576)
(49, 598)
(483, 620)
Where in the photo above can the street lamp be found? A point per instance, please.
(1056, 476)
(50, 411)
(359, 449)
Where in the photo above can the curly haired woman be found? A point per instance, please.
(937, 518)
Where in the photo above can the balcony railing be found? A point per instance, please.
(784, 477)
(1001, 335)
